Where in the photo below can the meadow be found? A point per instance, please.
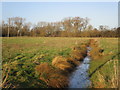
(20, 55)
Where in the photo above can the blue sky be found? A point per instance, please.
(100, 13)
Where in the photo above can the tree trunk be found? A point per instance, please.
(8, 27)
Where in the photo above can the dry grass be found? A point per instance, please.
(61, 63)
(58, 76)
(96, 53)
(53, 77)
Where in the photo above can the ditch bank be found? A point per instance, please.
(80, 78)
(103, 71)
(97, 57)
(56, 74)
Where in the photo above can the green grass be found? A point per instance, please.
(105, 77)
(21, 54)
(30, 47)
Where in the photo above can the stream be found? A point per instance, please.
(79, 78)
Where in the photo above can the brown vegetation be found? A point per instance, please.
(61, 63)
(56, 75)
(79, 53)
(52, 76)
(68, 27)
(96, 51)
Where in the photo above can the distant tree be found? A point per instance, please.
(68, 27)
(85, 23)
(18, 21)
(77, 24)
(9, 23)
(118, 32)
(101, 27)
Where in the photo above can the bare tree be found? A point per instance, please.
(9, 22)
(85, 23)
(18, 21)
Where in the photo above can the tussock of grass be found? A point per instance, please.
(61, 63)
(52, 76)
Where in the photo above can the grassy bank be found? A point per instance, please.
(106, 63)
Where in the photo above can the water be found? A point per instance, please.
(79, 78)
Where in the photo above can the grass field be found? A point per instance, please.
(32, 47)
(20, 55)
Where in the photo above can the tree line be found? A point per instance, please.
(68, 27)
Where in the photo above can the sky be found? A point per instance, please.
(99, 13)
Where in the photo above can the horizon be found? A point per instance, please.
(99, 13)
